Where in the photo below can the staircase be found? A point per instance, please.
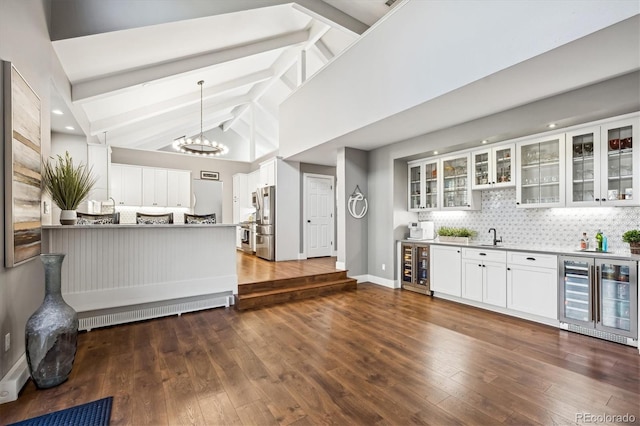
(263, 293)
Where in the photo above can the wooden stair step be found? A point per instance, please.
(281, 295)
(290, 282)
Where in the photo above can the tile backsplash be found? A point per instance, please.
(554, 228)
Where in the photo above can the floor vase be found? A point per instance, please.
(51, 333)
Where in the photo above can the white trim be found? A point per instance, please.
(12, 383)
(385, 282)
(304, 210)
(341, 266)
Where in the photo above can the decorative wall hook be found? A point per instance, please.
(356, 197)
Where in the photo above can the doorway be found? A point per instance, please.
(318, 215)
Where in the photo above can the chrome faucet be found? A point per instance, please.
(495, 240)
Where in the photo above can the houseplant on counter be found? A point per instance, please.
(633, 238)
(455, 235)
(68, 185)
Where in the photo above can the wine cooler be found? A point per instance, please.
(415, 267)
(599, 297)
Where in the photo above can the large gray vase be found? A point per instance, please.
(51, 333)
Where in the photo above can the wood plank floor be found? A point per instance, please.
(370, 356)
(253, 269)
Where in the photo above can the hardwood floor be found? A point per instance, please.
(370, 356)
(253, 269)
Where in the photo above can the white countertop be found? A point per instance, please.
(561, 251)
(133, 225)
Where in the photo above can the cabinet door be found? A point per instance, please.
(533, 290)
(268, 173)
(431, 186)
(472, 277)
(495, 283)
(132, 186)
(456, 184)
(620, 163)
(583, 167)
(541, 173)
(115, 185)
(503, 165)
(178, 188)
(154, 187)
(482, 169)
(416, 186)
(446, 270)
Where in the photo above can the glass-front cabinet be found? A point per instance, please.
(583, 167)
(540, 181)
(493, 167)
(620, 162)
(423, 185)
(456, 184)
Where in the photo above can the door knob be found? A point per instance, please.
(308, 221)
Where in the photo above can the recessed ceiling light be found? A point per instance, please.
(69, 127)
(57, 112)
(435, 152)
(552, 125)
(484, 141)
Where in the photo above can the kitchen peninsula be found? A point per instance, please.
(114, 274)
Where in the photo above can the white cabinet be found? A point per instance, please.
(423, 185)
(532, 284)
(154, 187)
(493, 167)
(484, 276)
(540, 181)
(239, 190)
(253, 180)
(99, 158)
(456, 184)
(126, 185)
(178, 188)
(446, 270)
(267, 173)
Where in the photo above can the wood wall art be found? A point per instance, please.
(22, 121)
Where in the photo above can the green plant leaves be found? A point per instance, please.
(67, 184)
(447, 231)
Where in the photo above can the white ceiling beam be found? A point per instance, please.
(287, 82)
(244, 128)
(325, 53)
(78, 18)
(286, 60)
(252, 139)
(259, 132)
(146, 112)
(302, 67)
(165, 134)
(106, 86)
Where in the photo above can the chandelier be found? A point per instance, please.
(200, 145)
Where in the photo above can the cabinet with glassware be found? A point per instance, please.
(456, 184)
(540, 181)
(493, 167)
(415, 267)
(423, 185)
(600, 165)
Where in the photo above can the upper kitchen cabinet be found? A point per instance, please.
(493, 167)
(600, 165)
(178, 188)
(267, 173)
(154, 187)
(541, 174)
(620, 163)
(423, 185)
(456, 184)
(126, 185)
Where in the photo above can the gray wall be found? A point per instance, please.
(184, 162)
(24, 41)
(352, 169)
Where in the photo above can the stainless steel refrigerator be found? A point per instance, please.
(207, 197)
(599, 297)
(266, 223)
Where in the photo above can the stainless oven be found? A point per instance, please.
(246, 237)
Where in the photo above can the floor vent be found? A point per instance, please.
(598, 333)
(90, 320)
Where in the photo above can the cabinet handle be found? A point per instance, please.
(597, 199)
(479, 265)
(531, 258)
(604, 199)
(483, 254)
(517, 203)
(484, 266)
(508, 269)
(458, 251)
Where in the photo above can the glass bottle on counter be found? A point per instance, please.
(584, 242)
(599, 240)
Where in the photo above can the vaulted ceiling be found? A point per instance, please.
(134, 65)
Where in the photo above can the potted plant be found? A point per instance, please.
(68, 185)
(455, 235)
(633, 238)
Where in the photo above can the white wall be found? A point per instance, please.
(422, 50)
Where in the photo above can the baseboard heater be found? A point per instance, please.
(89, 320)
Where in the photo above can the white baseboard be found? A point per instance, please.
(341, 266)
(385, 282)
(15, 379)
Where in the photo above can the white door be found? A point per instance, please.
(318, 215)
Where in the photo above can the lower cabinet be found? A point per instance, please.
(484, 276)
(446, 276)
(532, 284)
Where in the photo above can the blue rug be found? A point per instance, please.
(96, 413)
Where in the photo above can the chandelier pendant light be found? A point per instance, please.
(200, 145)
